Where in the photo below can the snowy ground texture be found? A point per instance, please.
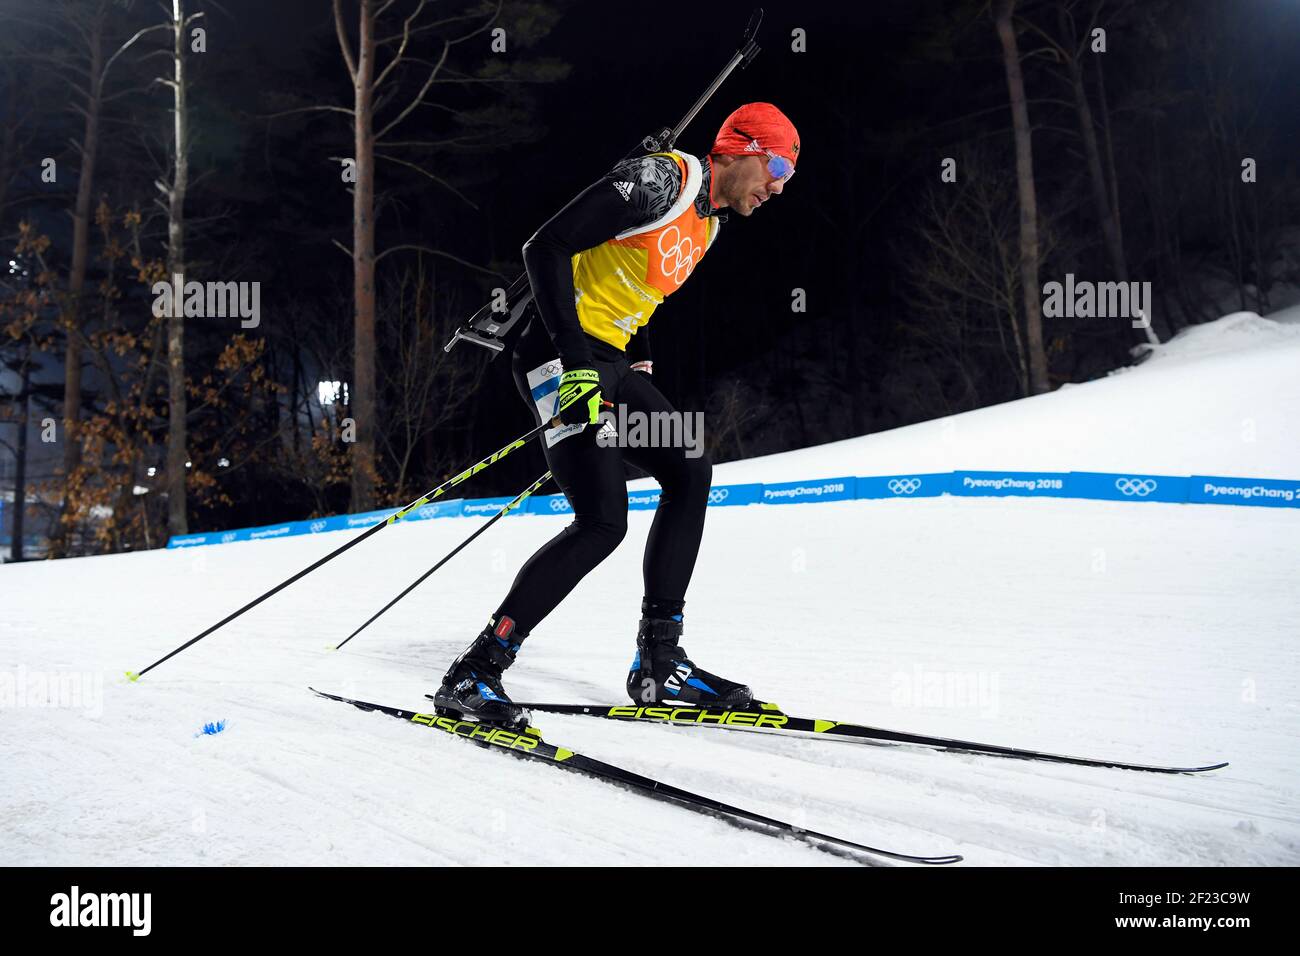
(1147, 632)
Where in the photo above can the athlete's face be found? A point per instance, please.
(744, 183)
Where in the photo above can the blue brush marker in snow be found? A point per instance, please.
(212, 728)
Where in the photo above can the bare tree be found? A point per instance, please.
(361, 67)
(963, 272)
(366, 83)
(310, 454)
(1072, 49)
(1003, 18)
(17, 132)
(93, 100)
(86, 67)
(377, 87)
(426, 387)
(735, 406)
(177, 454)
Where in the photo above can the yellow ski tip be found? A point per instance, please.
(132, 676)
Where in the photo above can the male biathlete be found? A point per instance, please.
(598, 269)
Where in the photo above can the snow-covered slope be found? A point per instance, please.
(1149, 632)
(1218, 399)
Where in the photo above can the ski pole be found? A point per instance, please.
(468, 473)
(518, 500)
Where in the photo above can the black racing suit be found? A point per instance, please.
(592, 476)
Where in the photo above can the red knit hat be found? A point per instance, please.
(757, 123)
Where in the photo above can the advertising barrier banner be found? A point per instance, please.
(1097, 485)
(1261, 492)
(800, 492)
(1034, 484)
(905, 486)
(1105, 486)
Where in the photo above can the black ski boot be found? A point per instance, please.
(662, 673)
(472, 686)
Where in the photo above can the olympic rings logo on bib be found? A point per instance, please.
(678, 254)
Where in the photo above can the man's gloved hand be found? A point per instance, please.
(646, 367)
(580, 402)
